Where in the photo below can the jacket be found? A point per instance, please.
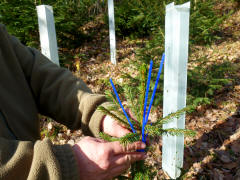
(30, 85)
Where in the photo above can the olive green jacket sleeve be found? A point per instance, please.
(41, 160)
(57, 94)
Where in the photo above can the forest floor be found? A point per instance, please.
(214, 153)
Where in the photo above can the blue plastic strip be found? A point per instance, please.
(154, 90)
(145, 100)
(115, 91)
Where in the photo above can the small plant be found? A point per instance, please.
(137, 96)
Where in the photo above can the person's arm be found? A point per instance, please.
(65, 98)
(58, 93)
(40, 160)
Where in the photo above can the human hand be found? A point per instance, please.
(113, 128)
(102, 160)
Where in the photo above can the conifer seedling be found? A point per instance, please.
(137, 99)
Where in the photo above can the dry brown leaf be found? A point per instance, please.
(231, 165)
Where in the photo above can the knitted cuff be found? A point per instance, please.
(67, 161)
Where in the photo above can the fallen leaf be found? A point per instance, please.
(231, 165)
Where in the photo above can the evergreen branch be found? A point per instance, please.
(156, 131)
(141, 171)
(125, 140)
(130, 98)
(119, 116)
(113, 107)
(129, 138)
(172, 116)
(107, 112)
(142, 88)
(135, 124)
(111, 98)
(108, 138)
(125, 113)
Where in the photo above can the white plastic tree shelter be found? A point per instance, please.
(47, 33)
(175, 83)
(112, 36)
